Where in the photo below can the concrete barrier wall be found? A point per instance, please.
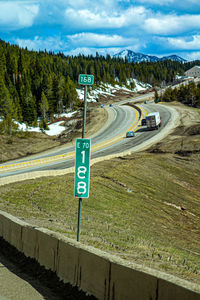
(126, 281)
(105, 276)
(94, 270)
(30, 241)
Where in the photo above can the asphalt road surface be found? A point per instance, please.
(111, 139)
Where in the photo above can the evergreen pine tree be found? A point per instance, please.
(44, 108)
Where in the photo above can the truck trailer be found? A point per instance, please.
(153, 120)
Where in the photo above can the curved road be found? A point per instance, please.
(109, 140)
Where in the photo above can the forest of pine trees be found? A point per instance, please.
(188, 94)
(40, 84)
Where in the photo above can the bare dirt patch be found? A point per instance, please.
(185, 139)
(15, 147)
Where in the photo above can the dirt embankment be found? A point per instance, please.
(28, 143)
(24, 144)
(185, 139)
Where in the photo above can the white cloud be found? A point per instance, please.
(92, 5)
(185, 43)
(81, 41)
(172, 24)
(180, 43)
(90, 43)
(192, 56)
(38, 43)
(101, 51)
(86, 18)
(159, 2)
(99, 40)
(171, 3)
(87, 26)
(15, 15)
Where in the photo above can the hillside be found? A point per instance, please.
(143, 207)
(36, 85)
(24, 143)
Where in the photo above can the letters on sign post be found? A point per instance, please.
(82, 168)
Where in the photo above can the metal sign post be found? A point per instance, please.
(82, 161)
(82, 175)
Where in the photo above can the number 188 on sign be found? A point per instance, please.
(82, 168)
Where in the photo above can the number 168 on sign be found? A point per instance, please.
(82, 168)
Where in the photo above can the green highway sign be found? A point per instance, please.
(85, 79)
(82, 168)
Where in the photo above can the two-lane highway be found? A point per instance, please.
(109, 140)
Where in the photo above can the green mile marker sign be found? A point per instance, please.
(82, 168)
(85, 79)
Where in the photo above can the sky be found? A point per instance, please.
(153, 27)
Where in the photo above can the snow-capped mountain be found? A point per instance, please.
(139, 57)
(174, 58)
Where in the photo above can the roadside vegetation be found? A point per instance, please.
(40, 84)
(143, 207)
(188, 94)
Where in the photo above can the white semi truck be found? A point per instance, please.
(153, 120)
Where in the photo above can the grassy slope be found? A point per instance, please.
(24, 144)
(134, 209)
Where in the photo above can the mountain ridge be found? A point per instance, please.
(140, 57)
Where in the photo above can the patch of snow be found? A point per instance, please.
(67, 115)
(108, 89)
(54, 129)
(80, 93)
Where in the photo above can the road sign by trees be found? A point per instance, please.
(85, 79)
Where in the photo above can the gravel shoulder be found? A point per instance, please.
(184, 133)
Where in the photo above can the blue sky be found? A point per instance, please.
(155, 27)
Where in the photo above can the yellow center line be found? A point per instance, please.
(69, 155)
(117, 138)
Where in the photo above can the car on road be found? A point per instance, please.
(110, 105)
(130, 134)
(102, 105)
(143, 122)
(146, 102)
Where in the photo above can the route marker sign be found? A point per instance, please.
(82, 168)
(85, 79)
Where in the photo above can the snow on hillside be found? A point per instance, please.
(105, 89)
(92, 96)
(108, 89)
(54, 129)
